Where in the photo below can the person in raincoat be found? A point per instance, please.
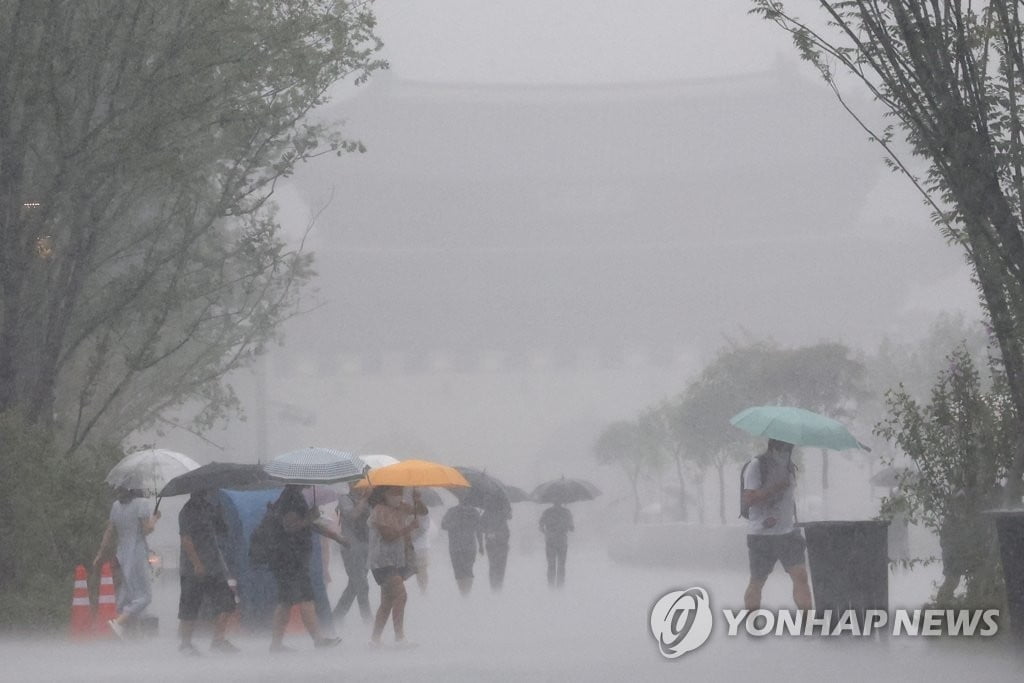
(131, 520)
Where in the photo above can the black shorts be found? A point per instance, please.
(382, 574)
(215, 589)
(294, 587)
(767, 549)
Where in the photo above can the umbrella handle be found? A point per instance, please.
(156, 508)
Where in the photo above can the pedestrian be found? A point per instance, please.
(768, 487)
(421, 550)
(465, 535)
(494, 523)
(392, 522)
(290, 565)
(556, 523)
(204, 573)
(131, 520)
(354, 513)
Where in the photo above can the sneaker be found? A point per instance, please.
(326, 642)
(281, 648)
(190, 650)
(224, 645)
(116, 628)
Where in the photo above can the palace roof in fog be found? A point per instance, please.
(509, 217)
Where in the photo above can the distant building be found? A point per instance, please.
(558, 221)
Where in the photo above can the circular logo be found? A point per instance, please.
(681, 621)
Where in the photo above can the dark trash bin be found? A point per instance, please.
(849, 566)
(1010, 531)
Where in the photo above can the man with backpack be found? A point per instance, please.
(768, 504)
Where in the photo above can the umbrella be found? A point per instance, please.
(484, 490)
(375, 461)
(564, 491)
(150, 469)
(796, 426)
(891, 477)
(415, 473)
(315, 466)
(429, 497)
(516, 494)
(219, 475)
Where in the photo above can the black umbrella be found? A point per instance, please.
(219, 475)
(484, 490)
(564, 491)
(516, 494)
(429, 496)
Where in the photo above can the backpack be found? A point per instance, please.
(744, 507)
(265, 539)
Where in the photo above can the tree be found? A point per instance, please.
(960, 442)
(822, 377)
(950, 74)
(140, 143)
(623, 445)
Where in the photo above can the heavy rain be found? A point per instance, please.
(470, 341)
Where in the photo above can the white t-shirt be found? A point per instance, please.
(781, 508)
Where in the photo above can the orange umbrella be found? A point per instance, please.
(414, 473)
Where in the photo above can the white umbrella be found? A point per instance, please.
(375, 461)
(150, 469)
(315, 466)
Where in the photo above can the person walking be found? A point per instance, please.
(392, 523)
(556, 523)
(290, 565)
(354, 512)
(494, 523)
(131, 520)
(465, 535)
(204, 574)
(767, 491)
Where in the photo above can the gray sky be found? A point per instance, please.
(583, 41)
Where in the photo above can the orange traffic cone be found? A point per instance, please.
(107, 609)
(81, 606)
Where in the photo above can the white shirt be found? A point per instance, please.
(782, 508)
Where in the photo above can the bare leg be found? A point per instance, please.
(801, 587)
(386, 602)
(752, 596)
(185, 630)
(398, 606)
(220, 626)
(281, 614)
(307, 610)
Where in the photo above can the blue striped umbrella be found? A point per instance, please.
(312, 466)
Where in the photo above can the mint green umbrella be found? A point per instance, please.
(796, 426)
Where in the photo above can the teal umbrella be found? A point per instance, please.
(796, 426)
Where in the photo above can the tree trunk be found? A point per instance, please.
(683, 514)
(721, 491)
